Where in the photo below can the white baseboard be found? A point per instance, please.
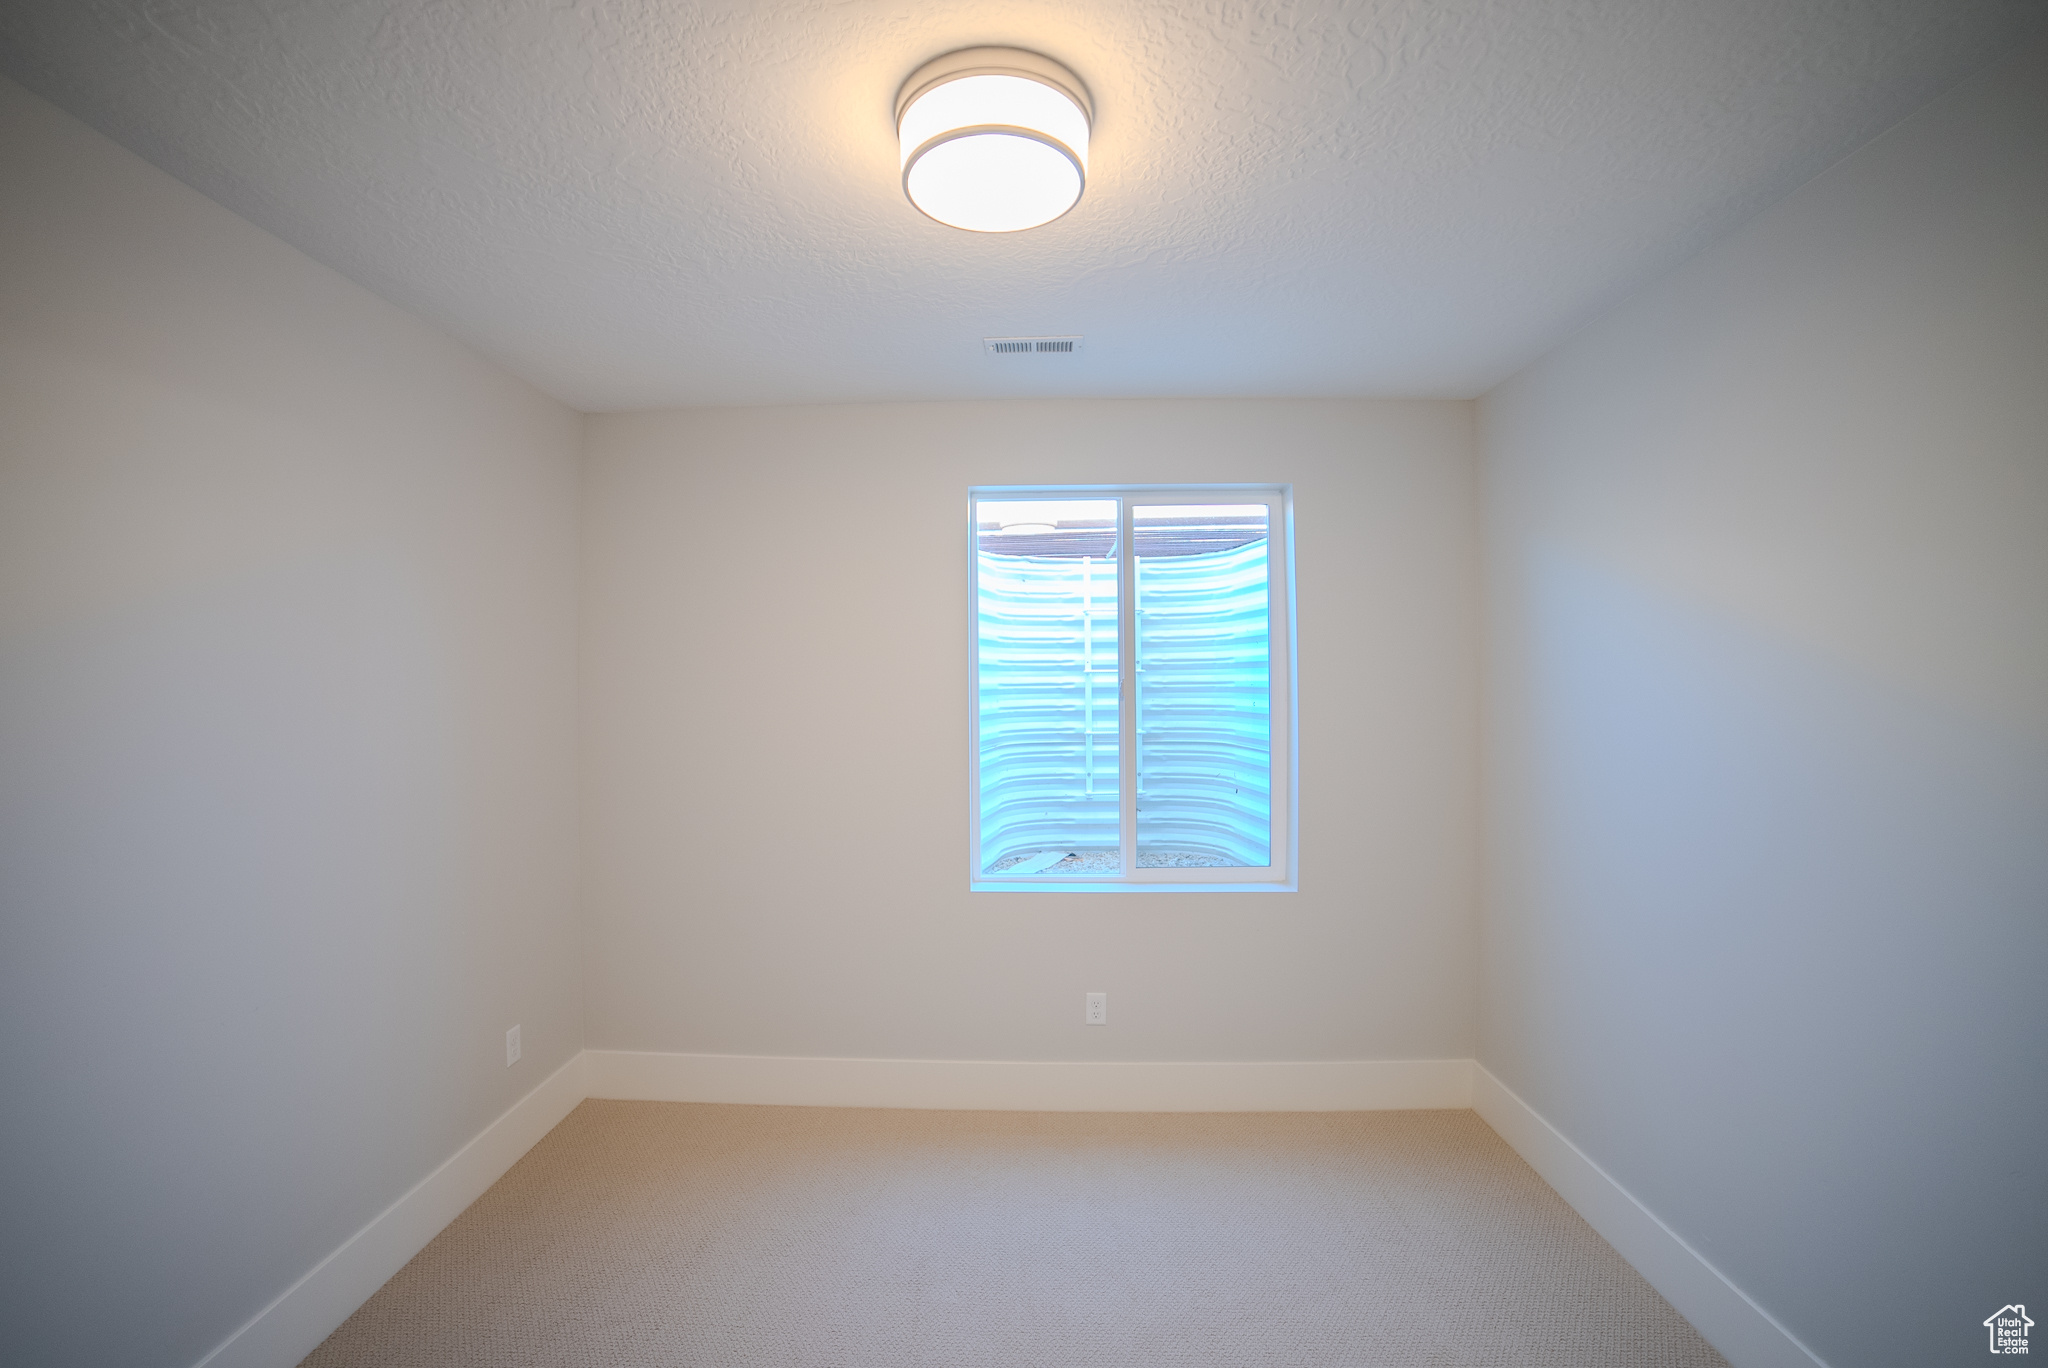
(1023, 1085)
(308, 1311)
(1747, 1335)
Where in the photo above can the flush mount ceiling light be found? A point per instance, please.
(994, 139)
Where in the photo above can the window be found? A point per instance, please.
(1131, 719)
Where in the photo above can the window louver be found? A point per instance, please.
(1049, 709)
(1203, 693)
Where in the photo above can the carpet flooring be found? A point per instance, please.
(654, 1233)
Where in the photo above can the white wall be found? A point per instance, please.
(1768, 893)
(286, 753)
(776, 731)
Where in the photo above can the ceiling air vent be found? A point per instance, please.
(1031, 346)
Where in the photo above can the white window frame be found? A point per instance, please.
(1278, 877)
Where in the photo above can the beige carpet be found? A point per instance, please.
(642, 1233)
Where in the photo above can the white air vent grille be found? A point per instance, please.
(1031, 346)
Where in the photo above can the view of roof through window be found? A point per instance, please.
(1088, 528)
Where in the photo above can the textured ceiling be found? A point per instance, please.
(640, 203)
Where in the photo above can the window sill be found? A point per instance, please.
(1081, 886)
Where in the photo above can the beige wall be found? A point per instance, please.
(286, 753)
(775, 742)
(1768, 920)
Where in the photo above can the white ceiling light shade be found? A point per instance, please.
(993, 139)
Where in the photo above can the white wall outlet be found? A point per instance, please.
(511, 1047)
(1098, 1009)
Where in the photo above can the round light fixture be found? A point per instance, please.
(993, 139)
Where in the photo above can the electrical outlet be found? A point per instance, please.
(511, 1047)
(1098, 1009)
